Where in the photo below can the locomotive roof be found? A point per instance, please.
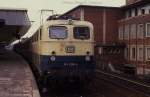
(59, 22)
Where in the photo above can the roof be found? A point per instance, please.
(13, 9)
(135, 4)
(90, 6)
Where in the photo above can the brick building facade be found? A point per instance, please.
(134, 31)
(122, 34)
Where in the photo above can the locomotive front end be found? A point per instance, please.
(67, 50)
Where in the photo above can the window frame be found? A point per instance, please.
(146, 53)
(138, 33)
(121, 32)
(147, 30)
(139, 54)
(127, 32)
(132, 33)
(89, 35)
(131, 53)
(143, 11)
(126, 53)
(58, 38)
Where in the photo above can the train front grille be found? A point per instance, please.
(71, 68)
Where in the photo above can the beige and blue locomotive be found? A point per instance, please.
(64, 49)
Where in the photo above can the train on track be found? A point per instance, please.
(61, 49)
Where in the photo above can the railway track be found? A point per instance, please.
(100, 87)
(135, 86)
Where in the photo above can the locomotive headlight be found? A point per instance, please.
(53, 58)
(87, 58)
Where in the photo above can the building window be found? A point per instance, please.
(121, 32)
(133, 31)
(133, 53)
(100, 50)
(126, 53)
(140, 53)
(126, 32)
(130, 13)
(136, 12)
(142, 11)
(147, 54)
(140, 31)
(148, 30)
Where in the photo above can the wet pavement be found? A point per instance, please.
(16, 78)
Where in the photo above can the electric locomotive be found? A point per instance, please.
(64, 49)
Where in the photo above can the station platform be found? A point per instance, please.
(16, 77)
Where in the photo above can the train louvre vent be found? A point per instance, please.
(64, 17)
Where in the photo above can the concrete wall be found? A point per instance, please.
(16, 22)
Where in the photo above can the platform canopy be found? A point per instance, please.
(14, 23)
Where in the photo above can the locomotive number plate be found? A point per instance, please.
(70, 64)
(70, 49)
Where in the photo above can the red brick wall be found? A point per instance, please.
(95, 16)
(76, 13)
(113, 15)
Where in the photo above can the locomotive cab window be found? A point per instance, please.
(81, 32)
(58, 32)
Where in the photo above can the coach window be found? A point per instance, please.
(58, 32)
(81, 32)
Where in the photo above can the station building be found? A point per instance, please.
(122, 35)
(134, 31)
(14, 23)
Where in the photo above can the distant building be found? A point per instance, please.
(134, 31)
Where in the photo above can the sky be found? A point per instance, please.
(59, 6)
